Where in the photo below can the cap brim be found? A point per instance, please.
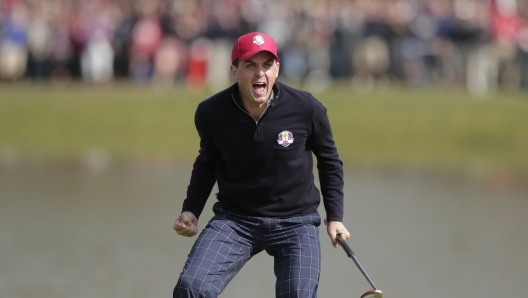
(250, 54)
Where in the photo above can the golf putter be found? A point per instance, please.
(375, 293)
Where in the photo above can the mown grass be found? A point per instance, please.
(396, 127)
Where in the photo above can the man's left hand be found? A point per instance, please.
(336, 227)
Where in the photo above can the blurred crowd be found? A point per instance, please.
(481, 45)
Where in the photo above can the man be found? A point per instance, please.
(256, 142)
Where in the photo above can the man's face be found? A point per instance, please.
(256, 77)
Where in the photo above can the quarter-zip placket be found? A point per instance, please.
(268, 104)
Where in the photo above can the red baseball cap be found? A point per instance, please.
(252, 43)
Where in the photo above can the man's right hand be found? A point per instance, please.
(186, 224)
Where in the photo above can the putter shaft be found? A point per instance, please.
(351, 255)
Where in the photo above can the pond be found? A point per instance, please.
(69, 232)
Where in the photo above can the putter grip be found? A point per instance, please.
(344, 245)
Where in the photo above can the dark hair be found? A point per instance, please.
(236, 62)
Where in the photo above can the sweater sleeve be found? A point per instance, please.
(329, 165)
(203, 173)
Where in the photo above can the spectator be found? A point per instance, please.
(481, 43)
(13, 41)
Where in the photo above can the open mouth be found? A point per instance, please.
(259, 88)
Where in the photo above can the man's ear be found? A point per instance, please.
(278, 69)
(234, 72)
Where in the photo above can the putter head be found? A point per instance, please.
(372, 294)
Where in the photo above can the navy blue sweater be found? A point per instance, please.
(261, 171)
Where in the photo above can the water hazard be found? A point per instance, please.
(70, 232)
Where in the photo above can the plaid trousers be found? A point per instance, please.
(229, 240)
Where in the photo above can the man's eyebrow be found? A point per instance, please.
(253, 62)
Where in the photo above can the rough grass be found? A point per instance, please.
(397, 127)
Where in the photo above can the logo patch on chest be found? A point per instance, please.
(285, 138)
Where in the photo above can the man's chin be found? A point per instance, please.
(260, 98)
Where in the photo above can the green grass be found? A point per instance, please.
(433, 128)
(437, 128)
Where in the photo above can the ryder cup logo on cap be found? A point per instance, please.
(250, 44)
(258, 40)
(285, 138)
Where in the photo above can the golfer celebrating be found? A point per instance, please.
(256, 142)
